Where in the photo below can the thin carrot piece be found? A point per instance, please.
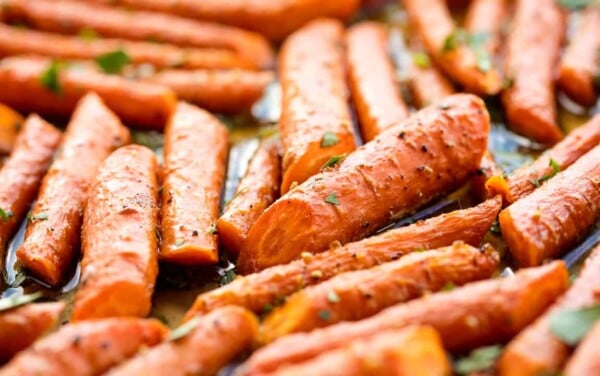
(427, 84)
(487, 17)
(10, 122)
(585, 360)
(487, 169)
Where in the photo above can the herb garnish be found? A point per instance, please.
(332, 199)
(18, 300)
(37, 217)
(329, 139)
(570, 326)
(574, 4)
(449, 286)
(480, 359)
(113, 62)
(88, 34)
(5, 215)
(333, 161)
(184, 329)
(333, 297)
(421, 60)
(50, 77)
(555, 170)
(475, 41)
(324, 315)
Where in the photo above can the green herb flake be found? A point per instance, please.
(333, 161)
(479, 360)
(184, 329)
(421, 60)
(179, 243)
(5, 215)
(332, 199)
(324, 315)
(227, 277)
(329, 139)
(333, 297)
(88, 34)
(484, 61)
(495, 228)
(267, 308)
(455, 39)
(113, 62)
(574, 4)
(50, 77)
(570, 326)
(449, 286)
(555, 166)
(38, 217)
(18, 300)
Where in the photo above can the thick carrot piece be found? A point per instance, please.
(487, 169)
(10, 122)
(556, 216)
(486, 17)
(257, 190)
(375, 93)
(585, 360)
(20, 327)
(428, 85)
(355, 295)
(415, 350)
(195, 150)
(141, 104)
(216, 340)
(22, 174)
(53, 232)
(477, 314)
(87, 348)
(431, 153)
(265, 289)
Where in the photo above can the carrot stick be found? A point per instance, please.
(427, 84)
(431, 153)
(556, 216)
(477, 314)
(255, 192)
(585, 359)
(259, 291)
(10, 122)
(375, 93)
(356, 295)
(486, 17)
(195, 151)
(487, 169)
(313, 127)
(53, 231)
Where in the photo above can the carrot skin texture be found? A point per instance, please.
(374, 185)
(585, 359)
(556, 216)
(10, 121)
(53, 234)
(482, 313)
(196, 145)
(487, 17)
(487, 169)
(428, 85)
(257, 190)
(259, 290)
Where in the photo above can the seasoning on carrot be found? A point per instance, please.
(487, 169)
(195, 151)
(426, 83)
(486, 18)
(10, 122)
(585, 360)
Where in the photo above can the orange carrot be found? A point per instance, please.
(10, 122)
(487, 169)
(486, 17)
(427, 84)
(585, 360)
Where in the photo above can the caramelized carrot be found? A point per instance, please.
(86, 348)
(52, 235)
(486, 17)
(585, 360)
(314, 127)
(255, 192)
(259, 291)
(10, 122)
(355, 295)
(20, 327)
(477, 314)
(431, 153)
(532, 51)
(195, 155)
(556, 216)
(487, 169)
(427, 84)
(375, 93)
(216, 340)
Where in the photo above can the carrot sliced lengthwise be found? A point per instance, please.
(195, 155)
(532, 51)
(585, 360)
(256, 191)
(355, 295)
(263, 290)
(431, 153)
(53, 232)
(141, 104)
(375, 93)
(216, 340)
(87, 348)
(486, 17)
(553, 218)
(10, 122)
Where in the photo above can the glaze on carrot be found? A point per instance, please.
(53, 231)
(487, 17)
(487, 169)
(10, 122)
(427, 84)
(585, 360)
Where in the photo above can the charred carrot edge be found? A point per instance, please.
(20, 327)
(86, 348)
(265, 289)
(53, 231)
(72, 17)
(532, 51)
(255, 192)
(355, 295)
(313, 130)
(482, 313)
(487, 17)
(428, 85)
(487, 169)
(526, 179)
(10, 122)
(536, 350)
(228, 91)
(585, 359)
(375, 94)
(415, 350)
(118, 276)
(554, 217)
(216, 340)
(196, 145)
(140, 104)
(22, 174)
(431, 153)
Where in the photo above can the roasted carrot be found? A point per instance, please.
(431, 153)
(415, 350)
(426, 83)
(71, 17)
(486, 18)
(375, 93)
(20, 327)
(196, 146)
(487, 169)
(532, 51)
(477, 314)
(355, 295)
(53, 231)
(585, 360)
(86, 348)
(255, 192)
(262, 290)
(216, 340)
(10, 122)
(22, 174)
(557, 215)
(313, 127)
(143, 105)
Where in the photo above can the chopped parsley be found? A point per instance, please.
(50, 77)
(333, 161)
(179, 243)
(574, 4)
(184, 329)
(570, 326)
(324, 315)
(329, 139)
(421, 60)
(5, 215)
(478, 360)
(113, 62)
(449, 286)
(475, 41)
(555, 170)
(38, 217)
(332, 199)
(333, 297)
(88, 34)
